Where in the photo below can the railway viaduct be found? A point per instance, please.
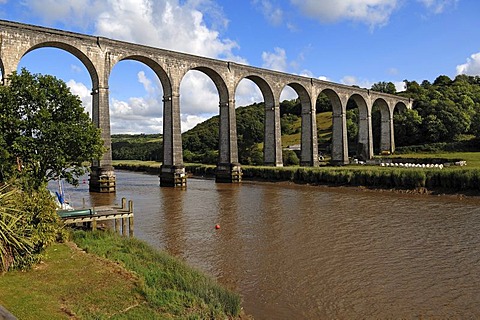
(99, 55)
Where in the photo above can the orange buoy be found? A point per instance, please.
(217, 226)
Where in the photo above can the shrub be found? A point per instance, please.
(290, 158)
(14, 232)
(28, 224)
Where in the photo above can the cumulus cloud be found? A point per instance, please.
(80, 90)
(170, 24)
(471, 67)
(198, 94)
(190, 121)
(372, 12)
(191, 26)
(276, 60)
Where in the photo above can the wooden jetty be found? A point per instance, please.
(121, 216)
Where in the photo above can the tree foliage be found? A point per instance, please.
(445, 109)
(45, 132)
(385, 87)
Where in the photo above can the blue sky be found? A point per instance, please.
(346, 41)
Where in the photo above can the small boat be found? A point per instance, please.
(61, 202)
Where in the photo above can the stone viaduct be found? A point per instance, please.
(99, 55)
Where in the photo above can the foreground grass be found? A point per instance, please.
(133, 282)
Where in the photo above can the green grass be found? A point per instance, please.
(118, 278)
(324, 127)
(472, 158)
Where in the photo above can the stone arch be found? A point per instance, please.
(364, 147)
(339, 147)
(75, 52)
(157, 69)
(386, 126)
(228, 148)
(219, 82)
(400, 106)
(308, 143)
(272, 152)
(264, 87)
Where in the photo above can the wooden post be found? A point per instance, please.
(124, 203)
(94, 224)
(117, 225)
(124, 226)
(130, 222)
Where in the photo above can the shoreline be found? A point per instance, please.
(401, 181)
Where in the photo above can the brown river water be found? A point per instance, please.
(308, 252)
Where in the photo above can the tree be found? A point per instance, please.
(46, 133)
(385, 87)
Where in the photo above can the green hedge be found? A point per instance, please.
(368, 176)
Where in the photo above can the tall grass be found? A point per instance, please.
(167, 283)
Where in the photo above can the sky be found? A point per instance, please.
(354, 42)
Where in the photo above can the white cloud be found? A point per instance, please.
(190, 121)
(438, 6)
(276, 60)
(354, 81)
(198, 94)
(273, 14)
(372, 12)
(182, 25)
(67, 12)
(247, 93)
(471, 67)
(79, 89)
(288, 94)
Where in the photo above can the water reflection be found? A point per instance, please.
(173, 225)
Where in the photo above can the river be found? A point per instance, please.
(309, 252)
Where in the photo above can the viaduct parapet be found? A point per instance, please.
(100, 55)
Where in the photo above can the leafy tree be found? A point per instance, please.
(408, 124)
(45, 130)
(352, 126)
(386, 87)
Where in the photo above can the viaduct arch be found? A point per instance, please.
(100, 55)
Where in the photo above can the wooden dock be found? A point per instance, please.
(122, 217)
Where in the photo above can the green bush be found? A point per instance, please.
(290, 158)
(28, 224)
(14, 231)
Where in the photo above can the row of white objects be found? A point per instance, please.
(411, 165)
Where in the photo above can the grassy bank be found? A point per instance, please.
(451, 179)
(114, 278)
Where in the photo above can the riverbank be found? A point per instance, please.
(103, 275)
(449, 180)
